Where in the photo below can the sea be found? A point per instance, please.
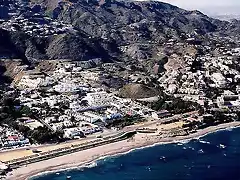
(215, 156)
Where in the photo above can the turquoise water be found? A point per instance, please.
(212, 157)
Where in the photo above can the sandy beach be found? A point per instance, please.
(82, 158)
(22, 152)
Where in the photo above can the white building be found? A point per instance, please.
(50, 120)
(63, 118)
(228, 101)
(74, 106)
(72, 132)
(29, 82)
(99, 99)
(219, 80)
(93, 117)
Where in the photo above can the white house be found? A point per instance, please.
(219, 80)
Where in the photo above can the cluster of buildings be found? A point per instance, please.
(11, 138)
(36, 26)
(19, 15)
(201, 75)
(72, 100)
(228, 100)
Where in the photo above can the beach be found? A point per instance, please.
(86, 157)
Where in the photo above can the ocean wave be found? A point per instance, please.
(91, 165)
(197, 138)
(181, 142)
(230, 129)
(57, 172)
(204, 142)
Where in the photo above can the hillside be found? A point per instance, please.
(138, 91)
(113, 30)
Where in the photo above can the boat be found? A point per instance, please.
(68, 177)
(222, 146)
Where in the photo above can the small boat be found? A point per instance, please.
(68, 177)
(200, 151)
(222, 146)
(163, 157)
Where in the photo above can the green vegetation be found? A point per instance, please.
(43, 135)
(213, 119)
(216, 118)
(175, 105)
(11, 111)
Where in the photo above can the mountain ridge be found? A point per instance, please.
(113, 30)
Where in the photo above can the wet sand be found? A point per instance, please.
(82, 158)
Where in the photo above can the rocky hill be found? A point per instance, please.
(111, 30)
(138, 91)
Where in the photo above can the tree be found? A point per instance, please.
(9, 102)
(24, 130)
(73, 119)
(43, 135)
(25, 110)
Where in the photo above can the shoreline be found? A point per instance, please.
(88, 157)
